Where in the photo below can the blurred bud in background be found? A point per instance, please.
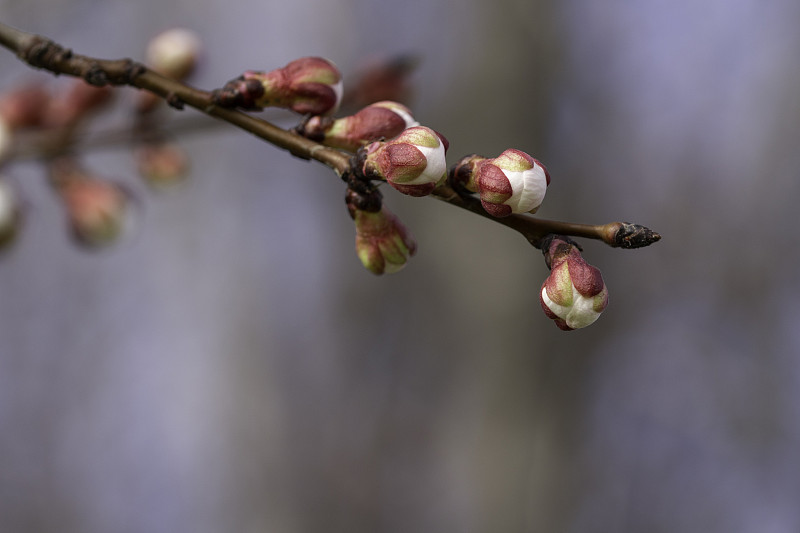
(98, 211)
(20, 108)
(162, 163)
(387, 78)
(174, 53)
(75, 103)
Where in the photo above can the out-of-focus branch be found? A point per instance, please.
(42, 53)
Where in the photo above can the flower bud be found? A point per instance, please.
(10, 214)
(174, 53)
(76, 103)
(97, 210)
(20, 108)
(24, 106)
(574, 294)
(310, 85)
(383, 244)
(413, 162)
(374, 122)
(514, 182)
(382, 78)
(162, 163)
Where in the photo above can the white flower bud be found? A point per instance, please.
(174, 53)
(413, 162)
(514, 182)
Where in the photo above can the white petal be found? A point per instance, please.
(529, 188)
(338, 89)
(436, 168)
(409, 120)
(579, 315)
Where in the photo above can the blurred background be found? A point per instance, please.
(232, 367)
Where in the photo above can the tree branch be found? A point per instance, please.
(42, 53)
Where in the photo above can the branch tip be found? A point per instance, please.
(630, 236)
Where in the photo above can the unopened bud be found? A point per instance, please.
(413, 162)
(386, 78)
(381, 120)
(383, 244)
(20, 108)
(574, 294)
(23, 107)
(76, 103)
(174, 53)
(10, 214)
(514, 182)
(309, 85)
(97, 210)
(162, 164)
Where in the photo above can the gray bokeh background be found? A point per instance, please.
(232, 367)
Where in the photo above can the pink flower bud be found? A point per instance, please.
(574, 294)
(97, 210)
(162, 164)
(76, 103)
(514, 182)
(383, 78)
(413, 162)
(310, 85)
(383, 244)
(10, 214)
(24, 106)
(374, 122)
(174, 53)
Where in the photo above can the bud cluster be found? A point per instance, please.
(383, 141)
(97, 211)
